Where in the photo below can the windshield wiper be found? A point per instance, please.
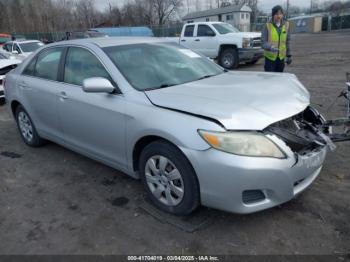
(206, 76)
(158, 87)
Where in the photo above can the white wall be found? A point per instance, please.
(242, 23)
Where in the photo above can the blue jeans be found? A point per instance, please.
(274, 66)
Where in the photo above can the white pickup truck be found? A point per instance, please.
(221, 41)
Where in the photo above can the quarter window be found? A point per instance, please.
(30, 68)
(48, 63)
(82, 64)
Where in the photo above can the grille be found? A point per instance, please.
(253, 196)
(257, 42)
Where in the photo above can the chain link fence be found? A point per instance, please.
(174, 30)
(330, 23)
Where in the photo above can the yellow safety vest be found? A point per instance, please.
(277, 40)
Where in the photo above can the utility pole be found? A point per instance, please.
(311, 6)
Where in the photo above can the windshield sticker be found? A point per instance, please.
(189, 53)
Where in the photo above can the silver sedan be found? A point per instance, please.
(191, 131)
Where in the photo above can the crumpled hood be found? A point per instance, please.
(7, 62)
(238, 100)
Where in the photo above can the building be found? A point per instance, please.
(306, 24)
(237, 15)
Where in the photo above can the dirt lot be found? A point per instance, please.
(54, 201)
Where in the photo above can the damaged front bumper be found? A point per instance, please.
(242, 184)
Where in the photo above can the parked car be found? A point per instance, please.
(84, 34)
(4, 38)
(7, 63)
(193, 132)
(222, 41)
(22, 49)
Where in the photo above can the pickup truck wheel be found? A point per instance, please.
(229, 58)
(169, 178)
(27, 129)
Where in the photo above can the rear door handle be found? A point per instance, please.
(63, 95)
(183, 40)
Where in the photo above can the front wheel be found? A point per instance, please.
(169, 178)
(229, 58)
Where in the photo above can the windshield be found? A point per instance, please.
(154, 66)
(30, 47)
(225, 28)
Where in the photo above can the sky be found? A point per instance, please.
(265, 5)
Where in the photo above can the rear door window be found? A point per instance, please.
(189, 31)
(47, 64)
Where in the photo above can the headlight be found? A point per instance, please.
(242, 143)
(246, 42)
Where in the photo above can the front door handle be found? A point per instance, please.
(183, 40)
(63, 95)
(197, 40)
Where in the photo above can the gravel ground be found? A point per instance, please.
(54, 201)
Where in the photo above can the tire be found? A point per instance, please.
(229, 58)
(174, 188)
(27, 129)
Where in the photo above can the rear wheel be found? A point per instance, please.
(229, 58)
(27, 129)
(169, 178)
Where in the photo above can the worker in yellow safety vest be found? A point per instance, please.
(276, 42)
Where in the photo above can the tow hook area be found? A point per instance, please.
(343, 124)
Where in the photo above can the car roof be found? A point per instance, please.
(113, 41)
(205, 23)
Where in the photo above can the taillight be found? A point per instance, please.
(3, 82)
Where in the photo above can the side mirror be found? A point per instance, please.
(15, 52)
(97, 85)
